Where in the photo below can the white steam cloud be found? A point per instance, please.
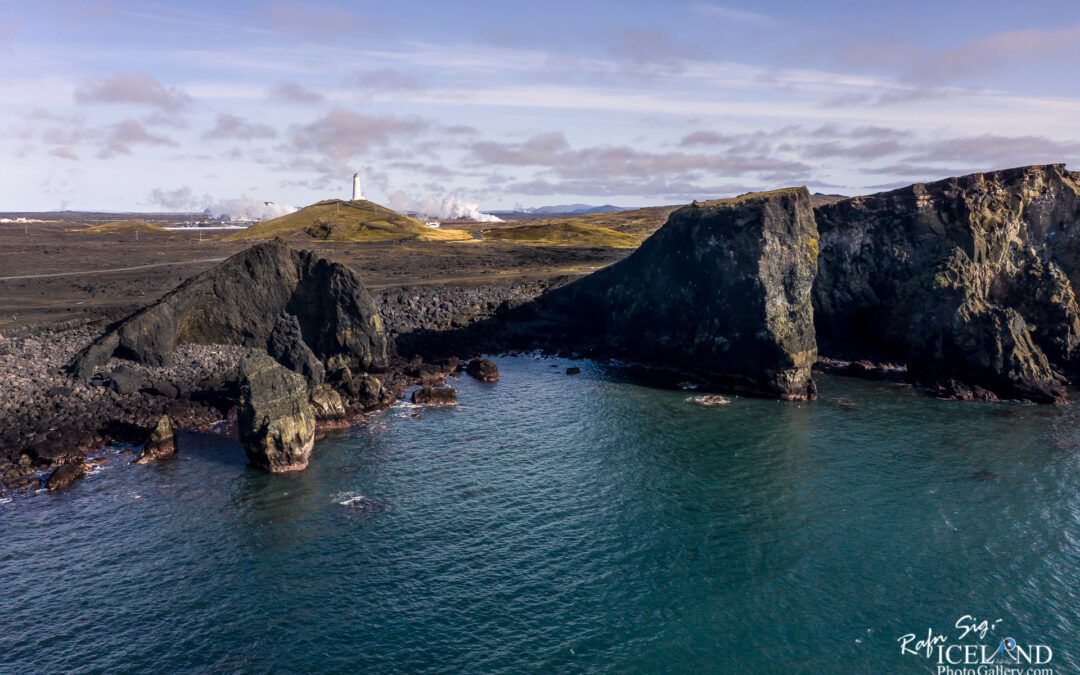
(246, 208)
(450, 207)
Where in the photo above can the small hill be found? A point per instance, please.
(132, 225)
(564, 232)
(340, 220)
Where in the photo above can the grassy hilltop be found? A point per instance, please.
(340, 220)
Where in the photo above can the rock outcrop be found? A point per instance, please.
(242, 300)
(286, 344)
(275, 417)
(326, 403)
(434, 396)
(970, 281)
(721, 290)
(484, 370)
(162, 442)
(65, 475)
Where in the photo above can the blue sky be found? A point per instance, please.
(153, 106)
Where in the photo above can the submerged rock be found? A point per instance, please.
(434, 396)
(484, 370)
(709, 401)
(276, 421)
(721, 290)
(240, 301)
(970, 281)
(162, 442)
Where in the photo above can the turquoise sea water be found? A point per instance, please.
(566, 524)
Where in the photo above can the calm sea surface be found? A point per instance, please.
(566, 524)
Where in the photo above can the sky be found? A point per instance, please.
(184, 106)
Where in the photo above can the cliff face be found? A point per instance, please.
(722, 289)
(240, 301)
(969, 279)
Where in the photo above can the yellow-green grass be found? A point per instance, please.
(338, 220)
(638, 224)
(563, 232)
(133, 225)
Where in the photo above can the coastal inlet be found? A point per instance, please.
(561, 523)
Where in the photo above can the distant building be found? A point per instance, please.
(356, 195)
(433, 223)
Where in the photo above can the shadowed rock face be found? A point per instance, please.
(275, 419)
(721, 290)
(162, 442)
(239, 301)
(969, 278)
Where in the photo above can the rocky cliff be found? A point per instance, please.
(969, 280)
(241, 300)
(721, 290)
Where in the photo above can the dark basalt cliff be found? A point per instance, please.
(969, 280)
(241, 300)
(722, 290)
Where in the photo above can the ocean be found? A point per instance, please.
(554, 523)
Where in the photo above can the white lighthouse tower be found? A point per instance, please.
(356, 187)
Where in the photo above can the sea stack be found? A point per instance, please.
(722, 290)
(275, 419)
(970, 281)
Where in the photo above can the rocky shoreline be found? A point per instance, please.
(729, 292)
(48, 418)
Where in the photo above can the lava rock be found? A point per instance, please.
(573, 370)
(65, 475)
(162, 442)
(365, 390)
(709, 401)
(125, 381)
(238, 302)
(970, 281)
(721, 290)
(286, 344)
(276, 422)
(166, 389)
(326, 403)
(484, 370)
(435, 396)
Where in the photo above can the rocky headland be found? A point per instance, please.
(966, 286)
(721, 292)
(969, 281)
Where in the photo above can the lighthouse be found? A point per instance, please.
(356, 187)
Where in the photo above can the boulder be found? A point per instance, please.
(125, 380)
(239, 302)
(365, 390)
(162, 442)
(48, 453)
(722, 291)
(435, 396)
(286, 344)
(275, 419)
(326, 403)
(970, 281)
(484, 370)
(65, 475)
(165, 388)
